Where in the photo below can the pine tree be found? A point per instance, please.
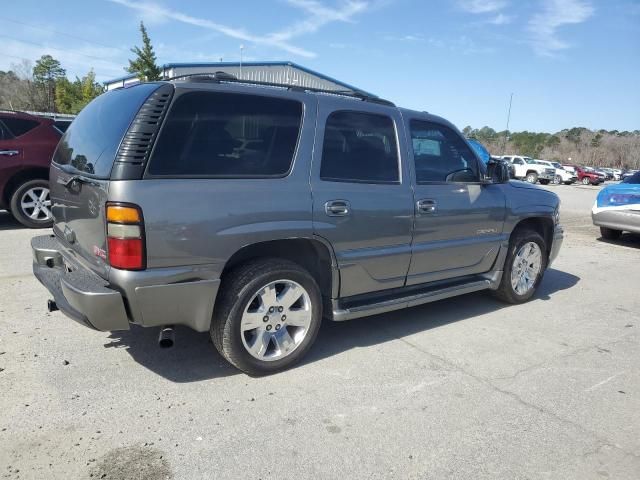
(144, 65)
(46, 72)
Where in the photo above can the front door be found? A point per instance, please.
(459, 220)
(362, 199)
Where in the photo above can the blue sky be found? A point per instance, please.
(568, 62)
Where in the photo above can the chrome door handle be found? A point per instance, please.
(337, 208)
(9, 153)
(426, 206)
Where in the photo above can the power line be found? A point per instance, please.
(42, 27)
(49, 46)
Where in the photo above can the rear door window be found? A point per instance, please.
(359, 147)
(214, 134)
(20, 126)
(5, 134)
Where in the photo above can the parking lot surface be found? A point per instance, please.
(463, 388)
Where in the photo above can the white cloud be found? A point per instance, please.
(543, 27)
(482, 6)
(317, 16)
(501, 19)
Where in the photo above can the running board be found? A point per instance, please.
(411, 300)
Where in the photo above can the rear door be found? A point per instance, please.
(362, 200)
(82, 164)
(10, 150)
(459, 221)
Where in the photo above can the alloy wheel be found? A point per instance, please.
(276, 320)
(36, 204)
(526, 268)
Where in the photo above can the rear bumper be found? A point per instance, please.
(626, 220)
(558, 237)
(152, 297)
(79, 293)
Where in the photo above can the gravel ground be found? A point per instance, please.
(463, 388)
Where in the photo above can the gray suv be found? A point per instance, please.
(253, 211)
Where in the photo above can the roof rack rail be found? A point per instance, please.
(219, 77)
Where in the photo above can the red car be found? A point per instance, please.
(586, 177)
(27, 144)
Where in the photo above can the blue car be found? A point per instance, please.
(617, 208)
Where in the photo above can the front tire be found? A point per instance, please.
(610, 233)
(544, 182)
(586, 181)
(524, 267)
(267, 315)
(532, 177)
(31, 204)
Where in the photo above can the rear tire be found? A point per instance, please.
(31, 204)
(249, 326)
(610, 233)
(522, 258)
(557, 180)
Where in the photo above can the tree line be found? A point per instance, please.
(597, 148)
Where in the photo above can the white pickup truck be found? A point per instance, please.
(528, 169)
(562, 175)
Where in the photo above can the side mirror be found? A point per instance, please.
(498, 171)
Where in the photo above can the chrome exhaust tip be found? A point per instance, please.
(166, 339)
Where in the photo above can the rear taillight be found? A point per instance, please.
(125, 237)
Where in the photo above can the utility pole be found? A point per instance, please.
(506, 133)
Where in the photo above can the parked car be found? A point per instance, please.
(585, 175)
(561, 175)
(628, 173)
(527, 169)
(26, 147)
(617, 208)
(612, 173)
(344, 206)
(603, 174)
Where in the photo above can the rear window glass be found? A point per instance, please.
(91, 142)
(359, 147)
(216, 134)
(19, 126)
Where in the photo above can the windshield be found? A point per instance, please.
(557, 165)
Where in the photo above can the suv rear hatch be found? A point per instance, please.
(110, 139)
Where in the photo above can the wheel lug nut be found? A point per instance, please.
(268, 328)
(265, 318)
(278, 326)
(284, 317)
(271, 309)
(280, 309)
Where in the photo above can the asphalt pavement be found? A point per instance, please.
(465, 388)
